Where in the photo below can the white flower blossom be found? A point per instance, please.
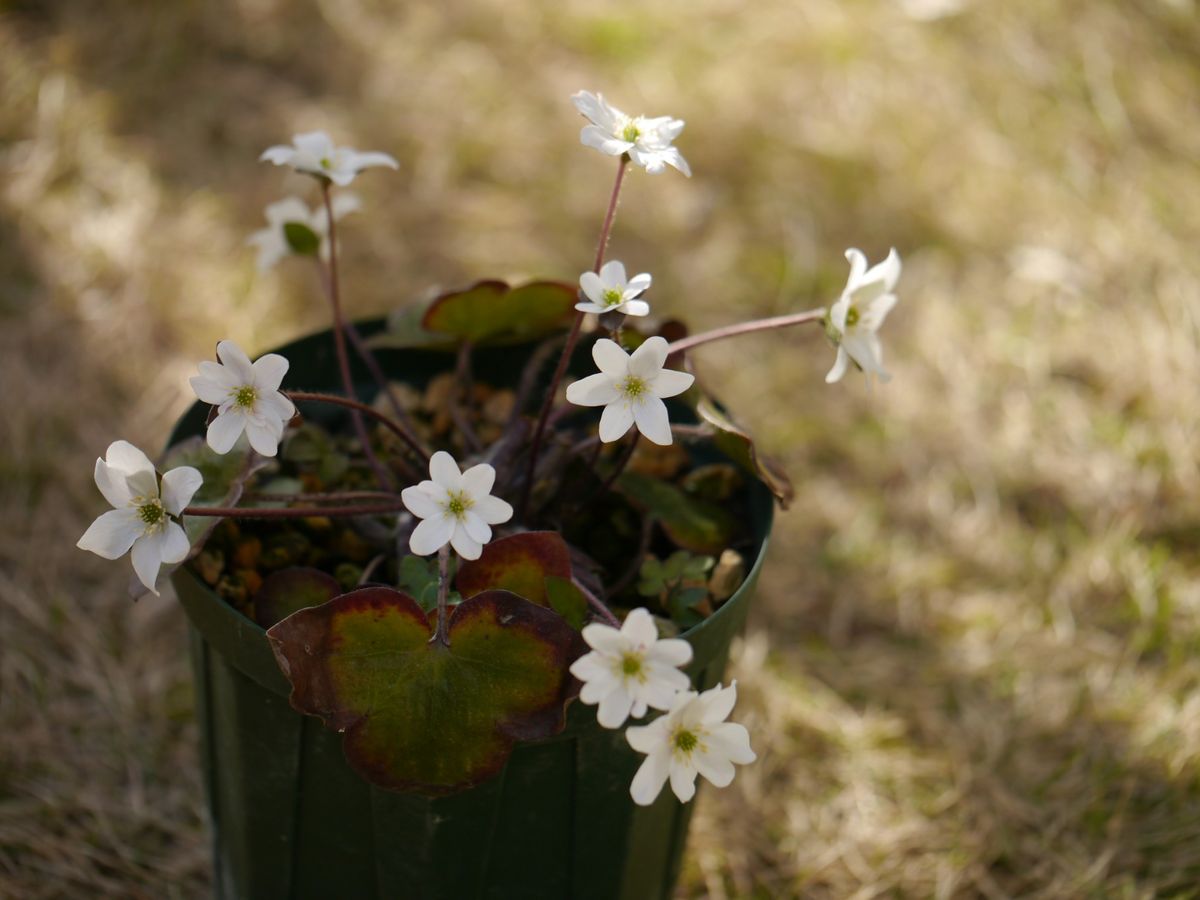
(314, 153)
(631, 389)
(646, 140)
(630, 669)
(855, 318)
(692, 738)
(247, 398)
(272, 241)
(455, 507)
(141, 517)
(610, 291)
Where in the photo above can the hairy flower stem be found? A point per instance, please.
(440, 634)
(297, 512)
(339, 342)
(597, 604)
(362, 409)
(572, 339)
(332, 497)
(719, 334)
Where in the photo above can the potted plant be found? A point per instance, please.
(455, 633)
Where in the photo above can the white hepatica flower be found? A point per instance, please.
(455, 507)
(142, 511)
(610, 291)
(247, 398)
(272, 241)
(692, 738)
(314, 153)
(855, 318)
(646, 140)
(631, 389)
(630, 670)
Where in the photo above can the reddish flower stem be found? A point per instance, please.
(300, 512)
(441, 635)
(597, 604)
(572, 340)
(718, 334)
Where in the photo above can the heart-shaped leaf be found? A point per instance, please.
(693, 524)
(426, 716)
(491, 310)
(566, 599)
(736, 443)
(518, 563)
(288, 590)
(302, 239)
(405, 332)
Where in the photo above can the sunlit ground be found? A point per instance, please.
(973, 667)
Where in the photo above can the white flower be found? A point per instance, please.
(142, 511)
(631, 388)
(647, 141)
(455, 508)
(630, 669)
(272, 241)
(315, 154)
(611, 292)
(855, 318)
(247, 398)
(693, 737)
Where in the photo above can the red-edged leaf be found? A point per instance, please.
(517, 563)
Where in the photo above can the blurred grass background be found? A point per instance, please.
(973, 671)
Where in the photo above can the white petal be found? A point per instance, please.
(614, 709)
(344, 204)
(273, 405)
(595, 390)
(127, 459)
(874, 312)
(493, 510)
(465, 545)
(268, 371)
(639, 627)
(672, 651)
(865, 350)
(592, 287)
(112, 485)
(615, 421)
(111, 535)
(175, 544)
(670, 383)
(314, 143)
(220, 376)
(858, 266)
(604, 638)
(478, 480)
(148, 558)
(419, 503)
(340, 177)
(208, 390)
(650, 738)
(178, 487)
(610, 358)
(683, 781)
(840, 364)
(591, 668)
(716, 768)
(431, 535)
(231, 355)
(596, 690)
(638, 284)
(595, 109)
(280, 154)
(612, 273)
(597, 138)
(839, 311)
(225, 430)
(647, 360)
(650, 778)
(886, 273)
(732, 741)
(359, 161)
(635, 308)
(653, 421)
(716, 704)
(589, 307)
(476, 528)
(262, 436)
(444, 471)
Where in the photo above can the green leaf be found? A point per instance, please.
(693, 524)
(311, 446)
(681, 604)
(518, 563)
(491, 310)
(419, 715)
(736, 443)
(302, 239)
(288, 590)
(419, 579)
(405, 332)
(225, 477)
(566, 600)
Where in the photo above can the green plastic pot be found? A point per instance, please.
(290, 819)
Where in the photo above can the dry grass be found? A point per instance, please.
(981, 675)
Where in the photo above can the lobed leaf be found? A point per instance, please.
(290, 590)
(491, 310)
(518, 563)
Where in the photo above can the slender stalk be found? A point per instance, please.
(718, 334)
(440, 634)
(332, 497)
(462, 392)
(572, 339)
(597, 604)
(303, 512)
(363, 409)
(339, 342)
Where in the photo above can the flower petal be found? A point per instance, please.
(595, 390)
(493, 510)
(178, 487)
(874, 312)
(670, 383)
(615, 421)
(465, 545)
(612, 273)
(604, 638)
(111, 535)
(175, 544)
(420, 503)
(732, 741)
(593, 107)
(268, 371)
(359, 161)
(651, 776)
(653, 421)
(635, 308)
(231, 356)
(647, 360)
(638, 284)
(112, 485)
(858, 266)
(610, 358)
(614, 709)
(431, 535)
(598, 139)
(444, 470)
(476, 528)
(127, 459)
(478, 480)
(263, 438)
(639, 627)
(208, 390)
(683, 781)
(717, 703)
(715, 767)
(148, 558)
(672, 651)
(592, 287)
(591, 668)
(273, 405)
(225, 430)
(840, 364)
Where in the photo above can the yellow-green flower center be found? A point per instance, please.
(458, 504)
(612, 297)
(685, 741)
(245, 396)
(151, 512)
(634, 387)
(326, 162)
(631, 666)
(852, 316)
(630, 132)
